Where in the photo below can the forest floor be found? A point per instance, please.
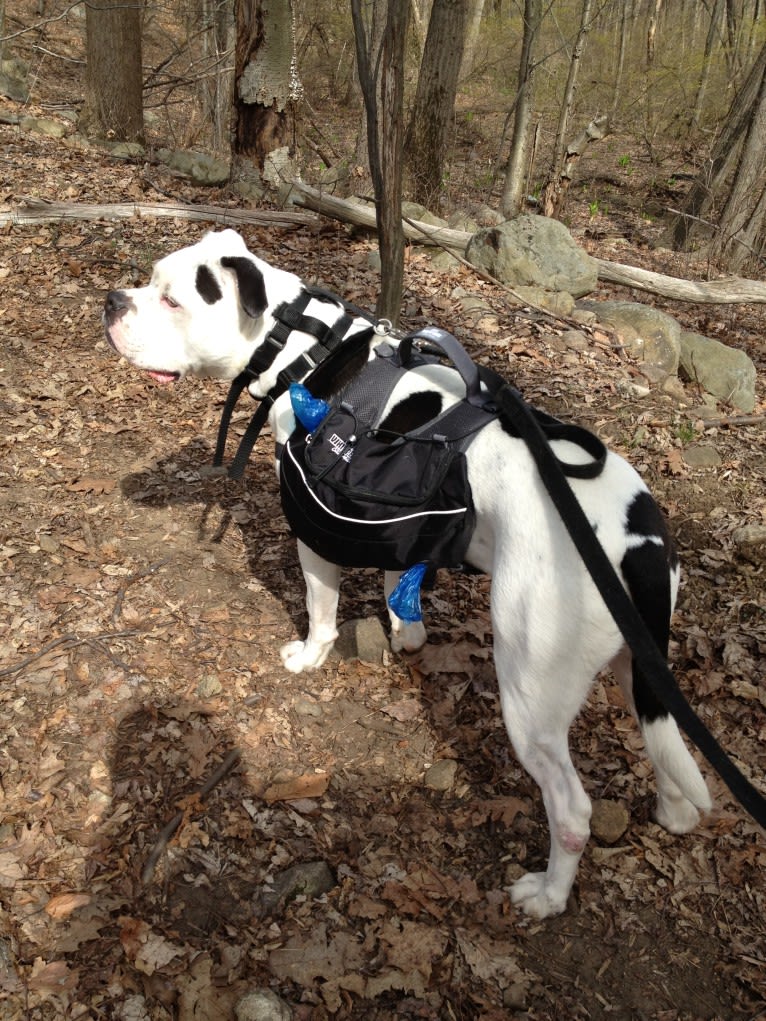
(145, 601)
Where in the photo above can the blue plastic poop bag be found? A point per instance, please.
(309, 410)
(405, 599)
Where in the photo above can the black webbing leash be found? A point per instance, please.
(658, 674)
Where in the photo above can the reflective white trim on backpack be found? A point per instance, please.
(362, 521)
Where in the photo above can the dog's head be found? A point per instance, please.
(202, 313)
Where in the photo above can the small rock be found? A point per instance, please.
(43, 126)
(441, 775)
(209, 686)
(609, 820)
(700, 455)
(262, 1005)
(575, 340)
(304, 707)
(749, 535)
(309, 879)
(363, 639)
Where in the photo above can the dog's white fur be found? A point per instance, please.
(552, 631)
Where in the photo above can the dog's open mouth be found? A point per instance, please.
(164, 377)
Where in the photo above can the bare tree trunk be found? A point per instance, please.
(113, 76)
(622, 47)
(712, 34)
(515, 185)
(434, 104)
(374, 27)
(475, 12)
(420, 15)
(385, 134)
(263, 82)
(741, 221)
(555, 191)
(218, 44)
(710, 182)
(569, 91)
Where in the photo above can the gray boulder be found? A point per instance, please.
(199, 167)
(534, 251)
(13, 80)
(722, 371)
(649, 335)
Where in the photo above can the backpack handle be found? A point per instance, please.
(457, 354)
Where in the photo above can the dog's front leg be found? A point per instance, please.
(322, 584)
(405, 636)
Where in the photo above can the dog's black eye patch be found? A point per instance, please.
(207, 285)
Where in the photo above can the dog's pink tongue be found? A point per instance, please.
(164, 377)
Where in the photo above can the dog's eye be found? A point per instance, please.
(170, 302)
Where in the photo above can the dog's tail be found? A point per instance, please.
(650, 570)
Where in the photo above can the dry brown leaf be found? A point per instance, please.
(63, 904)
(310, 785)
(91, 485)
(54, 977)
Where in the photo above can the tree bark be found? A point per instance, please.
(216, 90)
(555, 192)
(113, 105)
(473, 26)
(263, 58)
(434, 106)
(381, 75)
(709, 184)
(515, 185)
(741, 222)
(710, 38)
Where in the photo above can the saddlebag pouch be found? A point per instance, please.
(362, 495)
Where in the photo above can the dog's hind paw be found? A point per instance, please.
(535, 897)
(300, 656)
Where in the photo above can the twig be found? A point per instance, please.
(729, 420)
(168, 831)
(147, 573)
(69, 640)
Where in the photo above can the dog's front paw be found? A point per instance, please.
(407, 637)
(300, 656)
(535, 897)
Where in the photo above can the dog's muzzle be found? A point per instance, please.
(116, 305)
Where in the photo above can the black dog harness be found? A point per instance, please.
(289, 317)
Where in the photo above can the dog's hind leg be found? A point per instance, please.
(406, 636)
(538, 712)
(681, 791)
(322, 585)
(650, 570)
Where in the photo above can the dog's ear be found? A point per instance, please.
(252, 289)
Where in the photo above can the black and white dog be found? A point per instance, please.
(207, 309)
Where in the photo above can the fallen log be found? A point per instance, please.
(728, 291)
(364, 216)
(36, 210)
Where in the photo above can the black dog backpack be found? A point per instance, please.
(361, 494)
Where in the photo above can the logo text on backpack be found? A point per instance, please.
(340, 448)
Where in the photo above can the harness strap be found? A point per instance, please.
(654, 666)
(289, 317)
